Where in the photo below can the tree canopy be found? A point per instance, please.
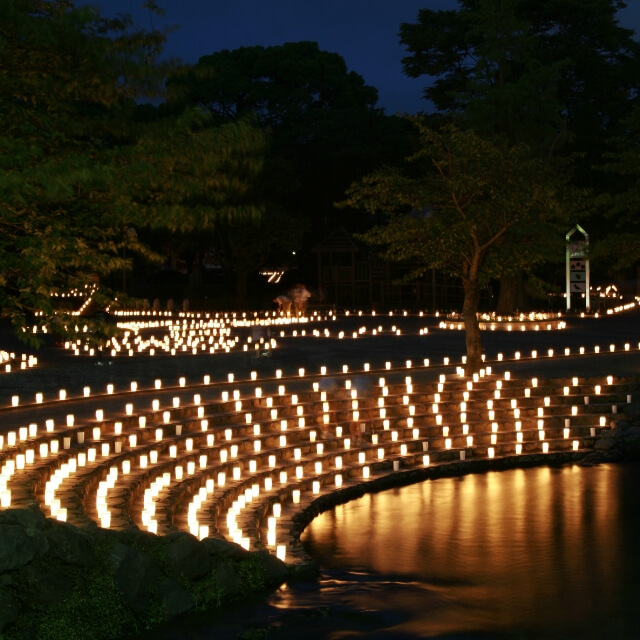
(620, 205)
(559, 76)
(323, 131)
(290, 84)
(474, 208)
(321, 118)
(529, 69)
(187, 174)
(80, 168)
(69, 80)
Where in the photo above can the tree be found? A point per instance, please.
(599, 80)
(468, 206)
(189, 178)
(621, 204)
(324, 130)
(187, 174)
(287, 85)
(525, 68)
(85, 171)
(486, 65)
(69, 82)
(556, 75)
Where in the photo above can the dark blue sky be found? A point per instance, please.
(364, 32)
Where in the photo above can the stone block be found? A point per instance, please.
(187, 556)
(70, 545)
(19, 546)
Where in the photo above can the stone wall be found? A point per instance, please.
(59, 582)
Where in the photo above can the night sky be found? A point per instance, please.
(364, 32)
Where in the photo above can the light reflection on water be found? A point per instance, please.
(523, 553)
(530, 554)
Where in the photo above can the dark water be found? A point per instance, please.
(522, 554)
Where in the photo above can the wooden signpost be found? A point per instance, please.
(577, 263)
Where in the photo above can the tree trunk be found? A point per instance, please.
(471, 326)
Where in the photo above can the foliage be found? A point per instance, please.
(474, 208)
(557, 75)
(85, 171)
(598, 81)
(323, 130)
(525, 63)
(251, 576)
(186, 174)
(94, 610)
(69, 81)
(290, 84)
(484, 59)
(621, 204)
(529, 69)
(207, 592)
(465, 199)
(191, 178)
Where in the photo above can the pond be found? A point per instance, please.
(519, 554)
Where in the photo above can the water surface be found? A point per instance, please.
(535, 553)
(520, 554)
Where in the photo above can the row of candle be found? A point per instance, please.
(361, 458)
(31, 431)
(508, 326)
(194, 340)
(252, 464)
(366, 367)
(9, 362)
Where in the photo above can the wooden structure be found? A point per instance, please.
(352, 275)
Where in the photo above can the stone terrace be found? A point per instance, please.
(250, 456)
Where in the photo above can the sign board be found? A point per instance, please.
(577, 266)
(577, 250)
